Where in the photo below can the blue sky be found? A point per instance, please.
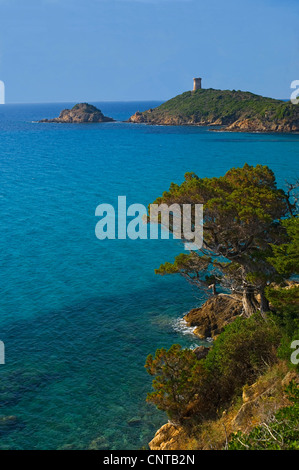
(98, 50)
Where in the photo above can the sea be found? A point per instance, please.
(79, 315)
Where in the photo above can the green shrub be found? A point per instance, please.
(245, 349)
(178, 378)
(286, 305)
(286, 316)
(186, 387)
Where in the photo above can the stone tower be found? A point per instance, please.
(197, 84)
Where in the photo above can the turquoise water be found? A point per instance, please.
(80, 315)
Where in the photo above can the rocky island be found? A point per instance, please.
(232, 110)
(80, 113)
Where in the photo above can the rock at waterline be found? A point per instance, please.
(80, 113)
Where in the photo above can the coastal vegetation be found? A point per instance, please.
(250, 251)
(235, 110)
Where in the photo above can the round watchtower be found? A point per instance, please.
(197, 84)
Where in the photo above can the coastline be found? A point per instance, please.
(234, 111)
(204, 323)
(265, 396)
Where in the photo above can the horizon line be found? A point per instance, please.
(76, 101)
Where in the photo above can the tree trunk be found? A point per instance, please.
(250, 304)
(264, 303)
(213, 287)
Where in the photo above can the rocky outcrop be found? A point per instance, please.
(214, 315)
(257, 125)
(80, 113)
(169, 437)
(149, 117)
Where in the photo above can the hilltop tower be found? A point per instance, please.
(197, 84)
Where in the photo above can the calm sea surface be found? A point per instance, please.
(78, 316)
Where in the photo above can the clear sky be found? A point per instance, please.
(110, 50)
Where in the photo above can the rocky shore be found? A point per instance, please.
(80, 113)
(240, 125)
(210, 319)
(257, 125)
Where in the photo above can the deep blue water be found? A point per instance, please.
(78, 316)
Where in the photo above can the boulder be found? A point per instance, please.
(169, 437)
(201, 352)
(214, 315)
